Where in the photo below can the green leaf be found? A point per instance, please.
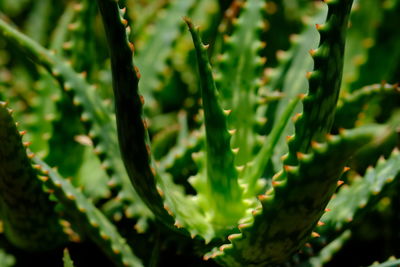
(389, 263)
(67, 259)
(6, 260)
(352, 198)
(96, 113)
(324, 82)
(222, 176)
(84, 215)
(299, 194)
(30, 221)
(132, 132)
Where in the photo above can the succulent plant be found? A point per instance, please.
(246, 151)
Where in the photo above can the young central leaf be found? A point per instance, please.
(222, 176)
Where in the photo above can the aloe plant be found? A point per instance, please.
(249, 150)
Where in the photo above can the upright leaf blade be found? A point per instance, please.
(324, 82)
(132, 132)
(222, 177)
(30, 221)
